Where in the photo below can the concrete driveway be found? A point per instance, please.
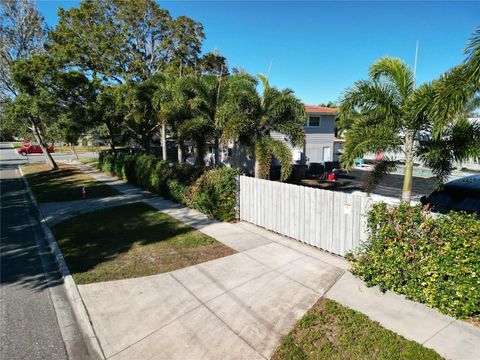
(236, 307)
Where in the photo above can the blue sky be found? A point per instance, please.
(320, 48)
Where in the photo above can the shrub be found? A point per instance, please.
(433, 260)
(128, 169)
(159, 176)
(118, 165)
(178, 192)
(105, 161)
(144, 166)
(214, 193)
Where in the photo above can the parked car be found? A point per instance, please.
(33, 149)
(460, 195)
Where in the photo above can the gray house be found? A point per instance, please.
(320, 143)
(319, 136)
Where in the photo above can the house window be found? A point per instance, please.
(314, 121)
(230, 151)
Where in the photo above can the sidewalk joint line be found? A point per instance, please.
(156, 330)
(221, 320)
(439, 331)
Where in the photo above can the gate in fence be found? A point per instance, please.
(329, 220)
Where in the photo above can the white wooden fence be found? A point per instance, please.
(329, 220)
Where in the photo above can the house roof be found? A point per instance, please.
(320, 109)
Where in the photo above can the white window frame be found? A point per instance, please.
(319, 121)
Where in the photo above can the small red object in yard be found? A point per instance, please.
(84, 192)
(331, 177)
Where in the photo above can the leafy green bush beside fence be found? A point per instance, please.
(433, 260)
(212, 192)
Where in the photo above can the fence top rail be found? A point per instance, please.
(357, 194)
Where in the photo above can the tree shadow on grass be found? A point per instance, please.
(92, 239)
(65, 184)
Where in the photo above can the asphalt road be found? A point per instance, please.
(31, 326)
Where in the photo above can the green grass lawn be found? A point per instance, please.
(331, 331)
(131, 241)
(63, 184)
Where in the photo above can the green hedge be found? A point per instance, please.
(433, 260)
(212, 192)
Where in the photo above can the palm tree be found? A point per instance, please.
(142, 117)
(456, 98)
(391, 113)
(457, 142)
(460, 85)
(251, 118)
(176, 111)
(206, 94)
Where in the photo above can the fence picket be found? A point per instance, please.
(332, 221)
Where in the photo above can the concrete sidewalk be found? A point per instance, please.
(242, 305)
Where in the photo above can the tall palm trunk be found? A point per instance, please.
(48, 157)
(164, 141)
(407, 180)
(180, 151)
(217, 149)
(257, 168)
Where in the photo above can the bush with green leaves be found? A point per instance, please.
(431, 259)
(212, 192)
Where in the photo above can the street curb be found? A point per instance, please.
(73, 295)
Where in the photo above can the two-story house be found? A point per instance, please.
(319, 142)
(319, 136)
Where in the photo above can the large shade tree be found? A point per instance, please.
(120, 40)
(48, 98)
(110, 110)
(22, 35)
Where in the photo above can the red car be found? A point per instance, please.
(33, 149)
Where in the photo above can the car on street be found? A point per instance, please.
(33, 149)
(460, 195)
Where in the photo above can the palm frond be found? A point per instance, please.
(437, 155)
(379, 101)
(473, 57)
(458, 142)
(362, 140)
(418, 107)
(454, 91)
(394, 71)
(381, 168)
(283, 154)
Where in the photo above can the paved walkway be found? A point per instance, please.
(240, 306)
